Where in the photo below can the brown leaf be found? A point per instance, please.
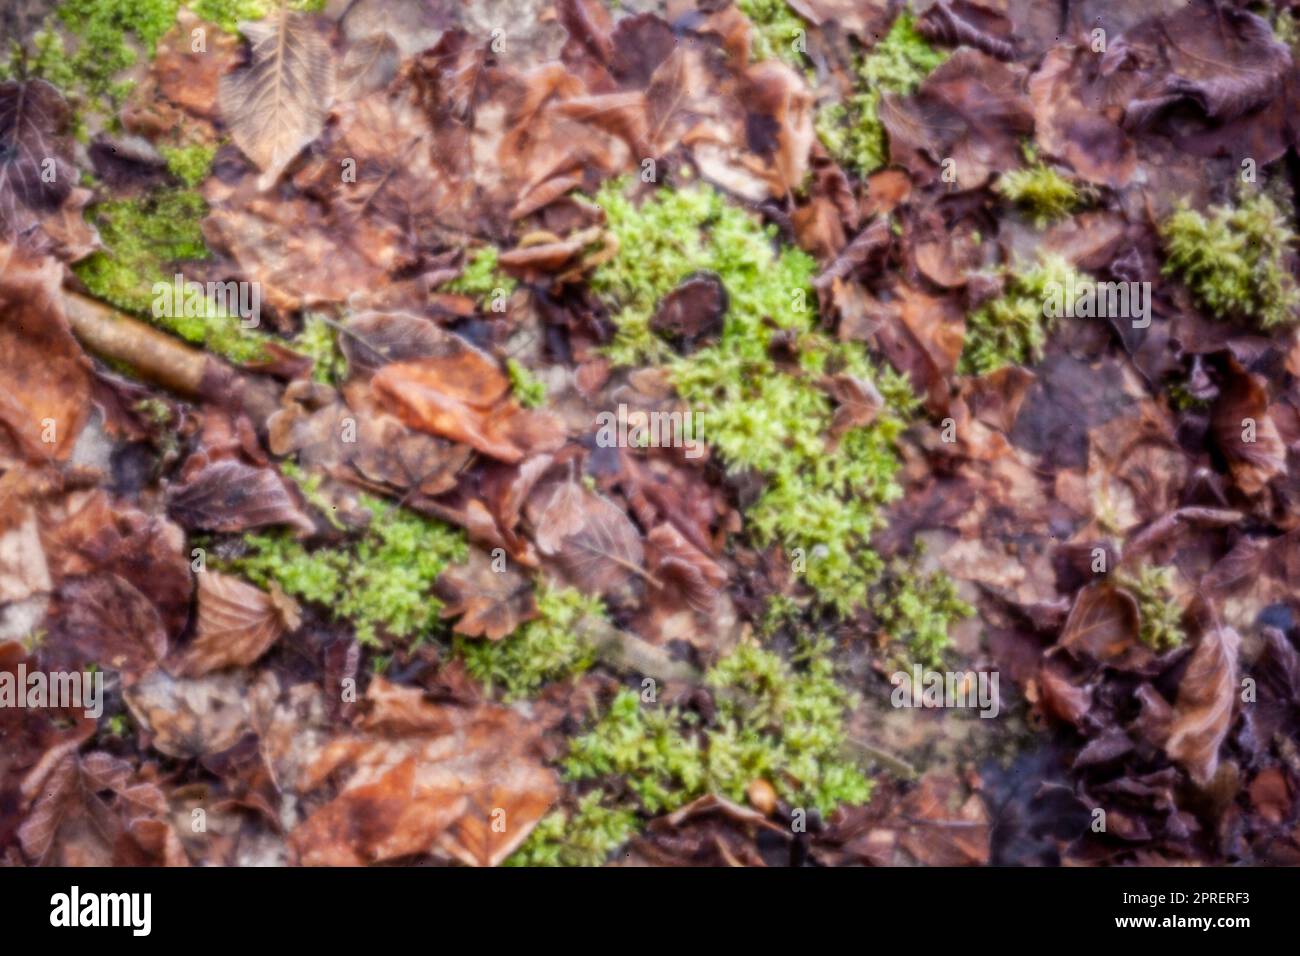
(683, 569)
(237, 624)
(276, 103)
(462, 395)
(44, 380)
(1245, 432)
(229, 495)
(189, 718)
(425, 778)
(36, 170)
(857, 400)
(593, 540)
(491, 603)
(1203, 710)
(104, 620)
(1103, 627)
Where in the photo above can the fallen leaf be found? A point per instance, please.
(1204, 708)
(276, 103)
(237, 624)
(229, 495)
(490, 603)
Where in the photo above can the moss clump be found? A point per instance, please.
(528, 389)
(762, 416)
(189, 164)
(1161, 616)
(585, 837)
(1236, 260)
(481, 277)
(773, 721)
(382, 583)
(852, 130)
(918, 610)
(1041, 191)
(553, 646)
(111, 34)
(318, 342)
(1012, 329)
(145, 240)
(228, 14)
(777, 29)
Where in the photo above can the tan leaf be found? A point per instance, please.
(237, 624)
(1103, 627)
(425, 778)
(684, 568)
(276, 104)
(191, 718)
(1203, 711)
(591, 538)
(490, 603)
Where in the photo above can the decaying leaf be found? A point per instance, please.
(490, 601)
(36, 170)
(276, 103)
(229, 495)
(1204, 709)
(237, 624)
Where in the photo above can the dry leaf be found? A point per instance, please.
(276, 103)
(490, 603)
(237, 624)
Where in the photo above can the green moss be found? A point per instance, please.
(1041, 191)
(189, 164)
(918, 611)
(481, 277)
(1012, 329)
(146, 240)
(1236, 260)
(852, 130)
(1161, 616)
(585, 837)
(318, 342)
(228, 14)
(553, 646)
(777, 30)
(773, 721)
(759, 415)
(111, 35)
(528, 389)
(381, 583)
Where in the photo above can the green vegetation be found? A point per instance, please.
(851, 130)
(777, 30)
(228, 14)
(1235, 261)
(585, 837)
(111, 35)
(553, 646)
(918, 610)
(481, 277)
(381, 583)
(761, 416)
(528, 389)
(1041, 191)
(772, 722)
(1012, 329)
(146, 240)
(189, 164)
(1161, 616)
(318, 342)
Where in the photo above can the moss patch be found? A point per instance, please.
(552, 646)
(481, 277)
(761, 415)
(528, 389)
(381, 583)
(1043, 193)
(773, 721)
(918, 610)
(1012, 329)
(146, 240)
(777, 31)
(1161, 616)
(585, 837)
(189, 164)
(1236, 260)
(851, 130)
